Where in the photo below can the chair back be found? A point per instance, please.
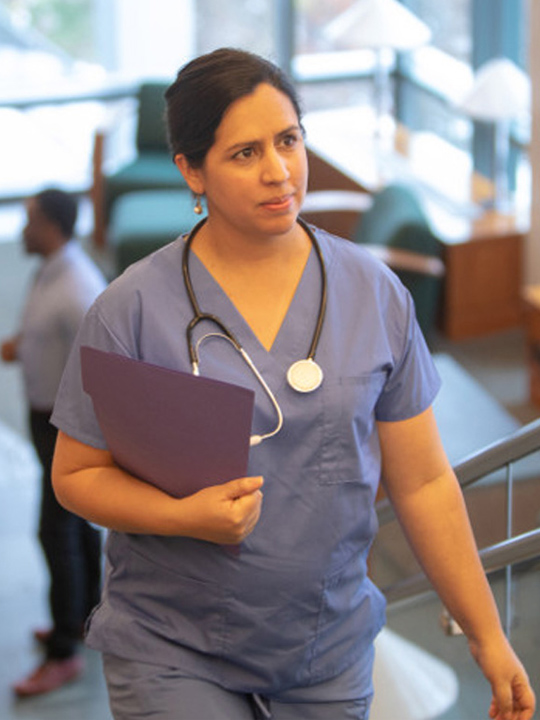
(151, 131)
(396, 219)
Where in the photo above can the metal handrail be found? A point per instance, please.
(503, 555)
(521, 443)
(474, 467)
(519, 549)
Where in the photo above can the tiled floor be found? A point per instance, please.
(23, 589)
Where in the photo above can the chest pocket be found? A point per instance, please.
(350, 444)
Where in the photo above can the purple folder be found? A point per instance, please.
(170, 428)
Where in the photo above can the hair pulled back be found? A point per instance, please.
(206, 87)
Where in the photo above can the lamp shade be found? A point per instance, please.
(379, 24)
(500, 91)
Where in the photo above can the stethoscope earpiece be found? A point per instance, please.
(304, 376)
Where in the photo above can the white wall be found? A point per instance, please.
(532, 254)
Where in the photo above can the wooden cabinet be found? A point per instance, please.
(482, 289)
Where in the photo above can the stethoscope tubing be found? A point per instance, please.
(200, 316)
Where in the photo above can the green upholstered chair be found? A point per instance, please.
(144, 221)
(392, 225)
(396, 221)
(152, 168)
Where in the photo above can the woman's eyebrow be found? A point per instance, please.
(243, 143)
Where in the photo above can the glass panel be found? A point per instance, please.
(450, 24)
(248, 24)
(312, 20)
(66, 25)
(47, 146)
(322, 52)
(48, 51)
(429, 113)
(325, 96)
(442, 72)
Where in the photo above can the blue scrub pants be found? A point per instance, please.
(140, 690)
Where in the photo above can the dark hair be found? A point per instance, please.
(60, 208)
(206, 87)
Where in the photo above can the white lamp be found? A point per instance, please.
(500, 93)
(380, 25)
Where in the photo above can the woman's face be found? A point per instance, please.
(255, 174)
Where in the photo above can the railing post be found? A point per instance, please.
(508, 609)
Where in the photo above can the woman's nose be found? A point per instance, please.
(275, 167)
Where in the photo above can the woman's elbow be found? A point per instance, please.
(61, 480)
(71, 459)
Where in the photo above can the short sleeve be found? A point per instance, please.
(413, 382)
(73, 411)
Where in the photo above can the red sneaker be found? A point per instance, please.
(51, 675)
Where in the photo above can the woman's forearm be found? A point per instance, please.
(436, 523)
(88, 483)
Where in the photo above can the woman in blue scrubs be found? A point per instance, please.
(285, 627)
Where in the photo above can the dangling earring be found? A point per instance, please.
(198, 209)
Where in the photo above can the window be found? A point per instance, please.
(248, 24)
(64, 24)
(450, 23)
(428, 82)
(466, 34)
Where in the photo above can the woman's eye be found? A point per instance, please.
(244, 154)
(290, 140)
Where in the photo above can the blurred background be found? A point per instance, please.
(380, 110)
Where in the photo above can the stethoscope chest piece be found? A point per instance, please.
(305, 376)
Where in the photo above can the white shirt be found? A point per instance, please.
(64, 287)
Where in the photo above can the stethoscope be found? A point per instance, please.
(304, 376)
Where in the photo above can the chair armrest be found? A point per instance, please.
(337, 201)
(407, 260)
(328, 201)
(337, 211)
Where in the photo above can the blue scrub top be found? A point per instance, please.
(295, 607)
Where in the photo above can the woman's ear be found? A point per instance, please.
(190, 174)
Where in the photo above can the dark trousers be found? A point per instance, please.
(72, 550)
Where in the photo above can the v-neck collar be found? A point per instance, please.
(293, 338)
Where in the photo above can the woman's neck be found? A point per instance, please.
(260, 277)
(217, 247)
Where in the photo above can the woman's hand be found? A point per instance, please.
(513, 698)
(224, 513)
(89, 483)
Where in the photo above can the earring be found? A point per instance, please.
(198, 209)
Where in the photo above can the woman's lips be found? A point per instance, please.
(283, 202)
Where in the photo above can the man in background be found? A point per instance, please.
(65, 285)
